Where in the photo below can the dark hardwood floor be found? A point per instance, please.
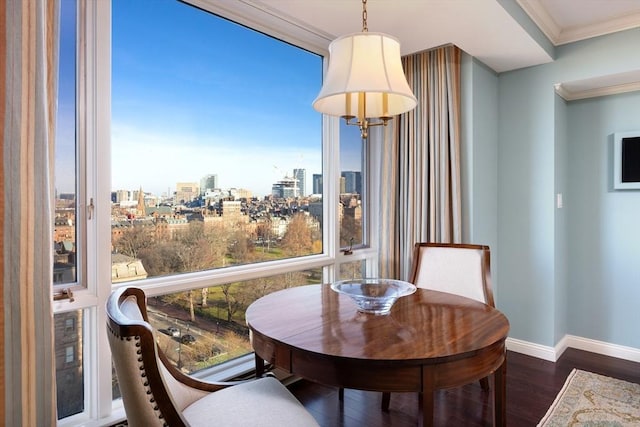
(532, 385)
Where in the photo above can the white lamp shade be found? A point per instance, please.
(365, 63)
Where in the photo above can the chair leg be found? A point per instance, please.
(386, 398)
(341, 394)
(484, 383)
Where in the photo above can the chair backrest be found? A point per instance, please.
(460, 269)
(147, 400)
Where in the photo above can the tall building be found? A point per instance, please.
(352, 182)
(301, 176)
(285, 188)
(208, 182)
(317, 183)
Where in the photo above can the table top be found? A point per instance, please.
(423, 327)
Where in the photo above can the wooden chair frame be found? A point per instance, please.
(126, 328)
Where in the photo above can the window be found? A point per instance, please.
(65, 233)
(352, 160)
(201, 174)
(69, 356)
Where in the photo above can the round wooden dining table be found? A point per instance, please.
(429, 340)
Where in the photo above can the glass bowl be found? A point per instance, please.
(375, 296)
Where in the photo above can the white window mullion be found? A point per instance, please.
(102, 201)
(96, 81)
(331, 189)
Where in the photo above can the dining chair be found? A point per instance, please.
(156, 393)
(456, 268)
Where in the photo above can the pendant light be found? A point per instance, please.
(365, 83)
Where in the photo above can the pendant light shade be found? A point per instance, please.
(365, 80)
(365, 83)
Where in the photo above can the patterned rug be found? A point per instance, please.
(589, 399)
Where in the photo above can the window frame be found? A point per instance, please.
(94, 214)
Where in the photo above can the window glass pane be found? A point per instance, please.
(205, 327)
(69, 366)
(64, 234)
(213, 143)
(351, 186)
(352, 270)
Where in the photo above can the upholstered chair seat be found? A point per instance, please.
(155, 393)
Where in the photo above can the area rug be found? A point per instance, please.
(589, 399)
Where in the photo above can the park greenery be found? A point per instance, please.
(218, 311)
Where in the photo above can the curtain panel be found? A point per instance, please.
(421, 163)
(28, 62)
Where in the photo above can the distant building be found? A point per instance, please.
(317, 183)
(352, 182)
(186, 191)
(68, 355)
(285, 188)
(208, 183)
(140, 207)
(125, 268)
(121, 196)
(231, 208)
(301, 176)
(315, 210)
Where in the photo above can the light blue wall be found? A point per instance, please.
(561, 262)
(604, 231)
(479, 160)
(526, 155)
(538, 264)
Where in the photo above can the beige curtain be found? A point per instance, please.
(421, 163)
(28, 54)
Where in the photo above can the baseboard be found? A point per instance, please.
(607, 349)
(552, 354)
(531, 349)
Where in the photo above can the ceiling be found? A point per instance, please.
(482, 28)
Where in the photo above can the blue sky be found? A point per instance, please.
(194, 94)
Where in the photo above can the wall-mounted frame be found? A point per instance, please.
(626, 160)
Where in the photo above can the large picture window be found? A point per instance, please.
(212, 142)
(190, 163)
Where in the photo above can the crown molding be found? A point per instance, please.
(558, 35)
(538, 13)
(599, 86)
(621, 23)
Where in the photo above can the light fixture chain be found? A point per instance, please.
(364, 16)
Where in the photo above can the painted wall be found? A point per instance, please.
(604, 230)
(479, 160)
(535, 157)
(561, 261)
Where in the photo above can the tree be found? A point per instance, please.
(135, 238)
(293, 279)
(297, 239)
(265, 233)
(205, 293)
(161, 259)
(350, 228)
(240, 245)
(232, 302)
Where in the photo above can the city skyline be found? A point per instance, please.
(171, 190)
(184, 107)
(350, 185)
